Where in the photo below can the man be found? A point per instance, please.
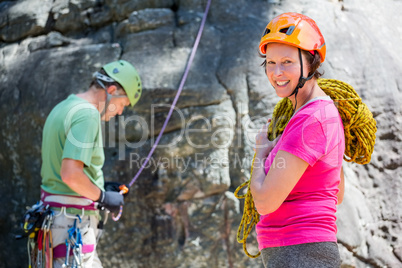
(72, 160)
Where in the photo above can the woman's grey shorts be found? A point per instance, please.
(310, 255)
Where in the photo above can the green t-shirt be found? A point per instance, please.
(72, 130)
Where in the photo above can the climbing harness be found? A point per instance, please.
(172, 107)
(35, 226)
(359, 126)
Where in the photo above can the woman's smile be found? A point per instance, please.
(282, 83)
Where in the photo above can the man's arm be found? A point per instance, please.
(72, 174)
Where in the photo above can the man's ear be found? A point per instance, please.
(111, 89)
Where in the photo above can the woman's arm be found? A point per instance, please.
(341, 188)
(271, 190)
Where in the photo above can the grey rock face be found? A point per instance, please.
(181, 212)
(20, 19)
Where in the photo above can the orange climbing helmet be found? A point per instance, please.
(296, 30)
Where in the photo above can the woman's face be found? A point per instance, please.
(283, 68)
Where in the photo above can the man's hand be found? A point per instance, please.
(115, 187)
(110, 200)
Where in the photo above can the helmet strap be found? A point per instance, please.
(99, 78)
(302, 80)
(108, 98)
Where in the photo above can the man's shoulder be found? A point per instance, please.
(74, 106)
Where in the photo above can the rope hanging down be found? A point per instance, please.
(183, 80)
(360, 128)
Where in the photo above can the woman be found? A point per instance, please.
(297, 180)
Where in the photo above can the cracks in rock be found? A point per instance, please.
(396, 255)
(398, 87)
(229, 92)
(175, 8)
(174, 42)
(352, 250)
(118, 44)
(226, 232)
(217, 102)
(225, 228)
(249, 88)
(184, 220)
(49, 23)
(235, 108)
(338, 69)
(178, 128)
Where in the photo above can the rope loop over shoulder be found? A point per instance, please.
(359, 127)
(358, 122)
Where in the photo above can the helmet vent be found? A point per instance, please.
(288, 30)
(267, 31)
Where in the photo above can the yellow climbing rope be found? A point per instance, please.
(360, 128)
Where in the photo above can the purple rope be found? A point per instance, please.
(183, 80)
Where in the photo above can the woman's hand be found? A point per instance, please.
(263, 146)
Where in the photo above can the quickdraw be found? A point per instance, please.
(36, 224)
(74, 246)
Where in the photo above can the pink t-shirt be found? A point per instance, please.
(314, 134)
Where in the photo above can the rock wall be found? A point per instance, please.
(181, 212)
